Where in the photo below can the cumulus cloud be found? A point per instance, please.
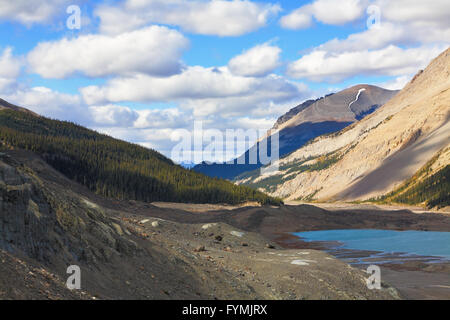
(403, 22)
(397, 83)
(194, 83)
(256, 62)
(300, 18)
(153, 50)
(338, 12)
(417, 12)
(50, 103)
(321, 65)
(162, 118)
(218, 17)
(409, 35)
(113, 115)
(30, 12)
(390, 33)
(10, 67)
(205, 90)
(334, 12)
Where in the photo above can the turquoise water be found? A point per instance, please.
(423, 243)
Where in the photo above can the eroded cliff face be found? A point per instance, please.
(48, 223)
(375, 155)
(53, 226)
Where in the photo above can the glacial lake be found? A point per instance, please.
(383, 244)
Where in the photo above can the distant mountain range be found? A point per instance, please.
(307, 121)
(399, 153)
(187, 164)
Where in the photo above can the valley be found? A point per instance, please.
(135, 250)
(208, 157)
(139, 226)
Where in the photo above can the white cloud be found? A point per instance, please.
(9, 70)
(254, 123)
(403, 22)
(218, 17)
(50, 103)
(204, 90)
(334, 12)
(408, 36)
(30, 12)
(162, 118)
(300, 18)
(117, 116)
(417, 12)
(376, 38)
(397, 83)
(321, 65)
(113, 115)
(153, 50)
(9, 65)
(256, 62)
(338, 12)
(194, 83)
(389, 33)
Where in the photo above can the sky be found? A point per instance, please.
(146, 71)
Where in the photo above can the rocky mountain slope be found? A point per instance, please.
(307, 121)
(134, 250)
(376, 155)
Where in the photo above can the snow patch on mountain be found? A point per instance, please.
(356, 99)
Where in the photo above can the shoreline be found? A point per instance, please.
(371, 205)
(414, 278)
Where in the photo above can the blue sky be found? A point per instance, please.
(141, 69)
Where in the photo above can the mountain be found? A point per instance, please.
(111, 167)
(308, 121)
(401, 152)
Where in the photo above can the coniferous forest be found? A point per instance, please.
(115, 168)
(432, 191)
